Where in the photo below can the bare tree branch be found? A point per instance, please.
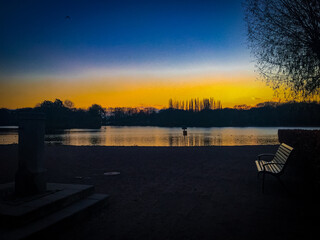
(284, 37)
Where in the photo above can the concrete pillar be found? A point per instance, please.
(31, 174)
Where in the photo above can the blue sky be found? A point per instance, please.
(38, 39)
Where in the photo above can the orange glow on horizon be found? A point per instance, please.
(133, 91)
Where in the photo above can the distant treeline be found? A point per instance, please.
(59, 115)
(192, 113)
(195, 104)
(267, 114)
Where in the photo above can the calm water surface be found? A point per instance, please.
(157, 136)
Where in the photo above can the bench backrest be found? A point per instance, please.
(282, 154)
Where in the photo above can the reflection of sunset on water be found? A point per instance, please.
(157, 136)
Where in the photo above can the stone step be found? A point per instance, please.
(16, 212)
(52, 224)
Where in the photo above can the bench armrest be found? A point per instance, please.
(265, 154)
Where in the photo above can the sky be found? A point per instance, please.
(126, 53)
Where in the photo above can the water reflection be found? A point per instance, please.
(8, 134)
(156, 136)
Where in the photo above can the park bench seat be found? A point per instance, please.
(276, 166)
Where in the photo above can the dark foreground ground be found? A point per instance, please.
(178, 193)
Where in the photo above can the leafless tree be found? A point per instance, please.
(284, 36)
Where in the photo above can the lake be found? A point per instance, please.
(156, 136)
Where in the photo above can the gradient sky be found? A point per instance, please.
(125, 53)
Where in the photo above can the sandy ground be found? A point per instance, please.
(177, 193)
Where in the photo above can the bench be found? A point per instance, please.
(276, 166)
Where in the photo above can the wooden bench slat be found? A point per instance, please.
(279, 161)
(284, 151)
(280, 158)
(287, 146)
(272, 168)
(282, 155)
(268, 168)
(258, 166)
(277, 167)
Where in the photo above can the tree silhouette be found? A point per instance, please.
(97, 110)
(60, 115)
(284, 36)
(195, 105)
(263, 114)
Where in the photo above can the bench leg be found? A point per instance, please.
(263, 177)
